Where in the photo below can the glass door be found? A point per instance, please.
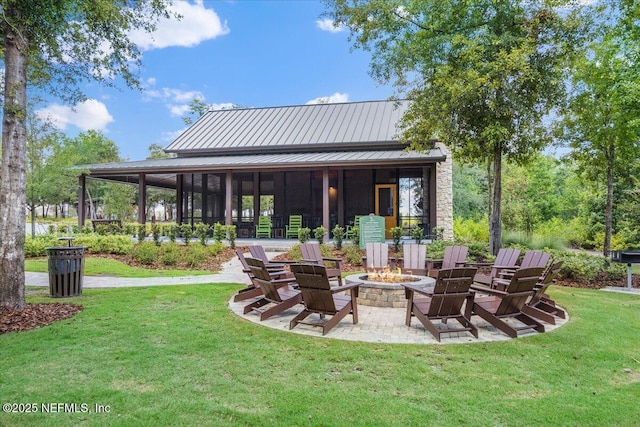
(386, 195)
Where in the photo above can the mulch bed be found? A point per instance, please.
(35, 315)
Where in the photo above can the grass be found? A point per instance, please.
(100, 266)
(179, 356)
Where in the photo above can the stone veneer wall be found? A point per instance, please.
(444, 193)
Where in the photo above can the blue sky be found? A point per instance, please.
(253, 53)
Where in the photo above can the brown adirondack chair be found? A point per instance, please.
(444, 302)
(311, 254)
(507, 258)
(278, 296)
(319, 297)
(253, 290)
(377, 257)
(414, 259)
(454, 256)
(540, 305)
(258, 252)
(501, 305)
(531, 259)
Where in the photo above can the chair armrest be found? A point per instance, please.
(409, 289)
(338, 261)
(487, 290)
(479, 264)
(310, 261)
(353, 287)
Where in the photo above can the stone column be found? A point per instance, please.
(444, 193)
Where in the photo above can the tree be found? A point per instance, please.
(55, 45)
(159, 196)
(601, 121)
(481, 75)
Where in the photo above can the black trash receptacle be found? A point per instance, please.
(66, 268)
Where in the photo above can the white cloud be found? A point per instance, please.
(331, 99)
(223, 106)
(176, 100)
(328, 25)
(89, 114)
(196, 25)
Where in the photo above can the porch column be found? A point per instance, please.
(228, 199)
(179, 200)
(341, 198)
(142, 199)
(256, 197)
(82, 189)
(325, 201)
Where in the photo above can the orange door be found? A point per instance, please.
(386, 206)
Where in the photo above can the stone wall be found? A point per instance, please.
(444, 193)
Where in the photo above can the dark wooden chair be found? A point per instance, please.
(258, 252)
(454, 256)
(414, 259)
(278, 296)
(253, 290)
(377, 257)
(445, 302)
(540, 305)
(507, 258)
(498, 306)
(311, 254)
(319, 297)
(530, 259)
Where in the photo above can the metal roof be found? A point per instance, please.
(293, 128)
(387, 158)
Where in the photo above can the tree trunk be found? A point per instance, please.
(33, 220)
(13, 182)
(495, 220)
(608, 212)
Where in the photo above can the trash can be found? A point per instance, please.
(66, 268)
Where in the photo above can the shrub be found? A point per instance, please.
(202, 231)
(216, 248)
(173, 230)
(35, 246)
(338, 236)
(219, 232)
(584, 268)
(145, 253)
(142, 232)
(319, 233)
(417, 233)
(396, 234)
(196, 255)
(470, 230)
(155, 232)
(118, 245)
(352, 254)
(186, 231)
(170, 253)
(304, 234)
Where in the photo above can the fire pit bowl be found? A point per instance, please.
(388, 293)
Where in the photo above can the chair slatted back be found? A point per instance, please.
(507, 257)
(295, 221)
(520, 288)
(243, 260)
(548, 278)
(377, 255)
(535, 259)
(314, 285)
(258, 252)
(264, 279)
(414, 256)
(311, 253)
(454, 256)
(450, 291)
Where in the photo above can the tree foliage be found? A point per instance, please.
(55, 44)
(481, 75)
(601, 122)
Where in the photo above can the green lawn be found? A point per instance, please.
(101, 266)
(178, 356)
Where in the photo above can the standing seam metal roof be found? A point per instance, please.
(301, 126)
